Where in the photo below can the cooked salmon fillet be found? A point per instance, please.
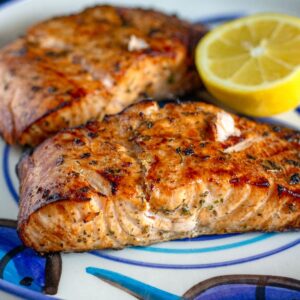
(153, 174)
(71, 69)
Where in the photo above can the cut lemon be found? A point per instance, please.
(253, 64)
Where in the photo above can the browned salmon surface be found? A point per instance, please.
(153, 174)
(71, 69)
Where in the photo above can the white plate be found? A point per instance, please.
(164, 271)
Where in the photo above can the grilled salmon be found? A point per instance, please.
(152, 174)
(68, 70)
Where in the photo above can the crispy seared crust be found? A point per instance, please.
(151, 174)
(71, 69)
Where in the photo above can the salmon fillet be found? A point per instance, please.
(152, 174)
(79, 67)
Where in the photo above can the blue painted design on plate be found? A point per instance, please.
(19, 264)
(7, 3)
(7, 177)
(229, 292)
(23, 292)
(228, 287)
(25, 263)
(277, 122)
(216, 19)
(206, 249)
(273, 293)
(138, 288)
(239, 291)
(196, 266)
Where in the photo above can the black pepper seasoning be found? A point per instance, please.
(295, 179)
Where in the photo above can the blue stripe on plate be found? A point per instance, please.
(7, 178)
(7, 3)
(277, 122)
(139, 289)
(22, 292)
(206, 249)
(219, 18)
(196, 266)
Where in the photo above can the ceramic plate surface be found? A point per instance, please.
(201, 268)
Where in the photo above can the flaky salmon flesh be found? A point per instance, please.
(152, 174)
(71, 69)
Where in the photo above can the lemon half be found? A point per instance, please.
(253, 64)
